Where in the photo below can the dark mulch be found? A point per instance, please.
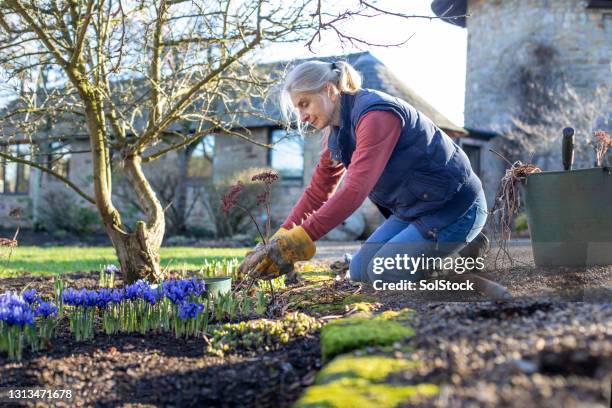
(157, 369)
(44, 284)
(163, 371)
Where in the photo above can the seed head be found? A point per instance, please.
(230, 199)
(267, 177)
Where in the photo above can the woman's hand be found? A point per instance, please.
(277, 258)
(256, 255)
(252, 258)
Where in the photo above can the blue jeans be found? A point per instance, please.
(396, 237)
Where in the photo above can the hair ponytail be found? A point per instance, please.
(349, 80)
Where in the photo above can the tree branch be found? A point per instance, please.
(51, 172)
(155, 75)
(187, 141)
(38, 30)
(81, 35)
(184, 101)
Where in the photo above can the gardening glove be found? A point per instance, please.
(281, 231)
(283, 251)
(253, 257)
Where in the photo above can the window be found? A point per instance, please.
(15, 177)
(473, 153)
(201, 159)
(287, 154)
(59, 159)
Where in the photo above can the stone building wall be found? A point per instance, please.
(513, 41)
(40, 184)
(9, 202)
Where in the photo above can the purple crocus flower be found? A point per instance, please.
(151, 295)
(111, 268)
(104, 298)
(18, 316)
(30, 296)
(90, 298)
(197, 287)
(136, 290)
(14, 310)
(117, 296)
(8, 298)
(178, 291)
(46, 309)
(174, 291)
(190, 310)
(83, 297)
(71, 297)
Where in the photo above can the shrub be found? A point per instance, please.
(236, 222)
(61, 213)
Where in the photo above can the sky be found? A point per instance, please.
(432, 62)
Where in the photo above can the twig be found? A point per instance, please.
(602, 143)
(507, 204)
(501, 156)
(9, 243)
(247, 212)
(167, 267)
(331, 317)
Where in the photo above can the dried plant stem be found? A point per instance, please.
(247, 212)
(507, 204)
(268, 210)
(602, 143)
(9, 243)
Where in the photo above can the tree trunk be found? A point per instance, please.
(138, 253)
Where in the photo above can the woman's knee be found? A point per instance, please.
(479, 222)
(355, 267)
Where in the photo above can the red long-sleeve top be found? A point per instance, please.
(377, 133)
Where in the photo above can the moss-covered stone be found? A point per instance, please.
(374, 368)
(344, 335)
(358, 381)
(358, 392)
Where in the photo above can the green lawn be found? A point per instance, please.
(56, 260)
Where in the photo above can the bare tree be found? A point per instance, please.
(128, 75)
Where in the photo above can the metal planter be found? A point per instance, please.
(570, 216)
(218, 285)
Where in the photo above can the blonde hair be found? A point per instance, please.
(312, 76)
